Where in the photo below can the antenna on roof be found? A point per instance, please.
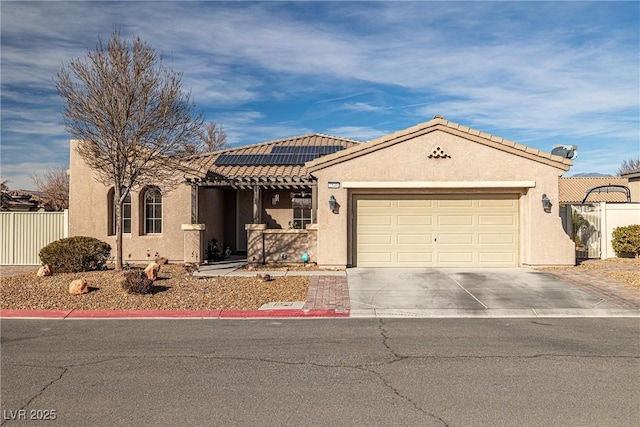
(566, 151)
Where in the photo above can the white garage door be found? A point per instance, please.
(436, 231)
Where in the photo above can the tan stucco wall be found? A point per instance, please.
(634, 188)
(542, 239)
(88, 216)
(274, 246)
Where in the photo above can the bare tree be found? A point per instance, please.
(132, 119)
(629, 165)
(53, 187)
(212, 138)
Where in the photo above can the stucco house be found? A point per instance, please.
(438, 194)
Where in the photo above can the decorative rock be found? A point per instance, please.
(78, 286)
(264, 277)
(152, 271)
(161, 260)
(45, 270)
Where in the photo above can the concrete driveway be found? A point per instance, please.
(455, 292)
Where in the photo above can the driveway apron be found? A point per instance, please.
(474, 291)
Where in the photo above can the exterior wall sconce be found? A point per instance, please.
(333, 204)
(546, 203)
(275, 199)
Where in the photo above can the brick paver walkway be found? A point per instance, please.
(598, 285)
(328, 292)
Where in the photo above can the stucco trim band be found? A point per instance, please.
(438, 184)
(198, 227)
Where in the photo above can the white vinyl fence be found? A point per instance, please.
(601, 219)
(25, 233)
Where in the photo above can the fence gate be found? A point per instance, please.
(25, 233)
(587, 230)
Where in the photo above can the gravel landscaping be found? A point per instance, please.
(173, 290)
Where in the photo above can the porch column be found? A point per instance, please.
(257, 205)
(193, 234)
(194, 204)
(314, 203)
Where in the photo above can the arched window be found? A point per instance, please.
(152, 211)
(126, 213)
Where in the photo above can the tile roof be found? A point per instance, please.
(439, 123)
(203, 166)
(573, 189)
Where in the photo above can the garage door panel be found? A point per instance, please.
(497, 258)
(376, 258)
(455, 257)
(455, 203)
(413, 203)
(455, 239)
(497, 203)
(429, 231)
(496, 220)
(375, 239)
(412, 259)
(456, 220)
(412, 220)
(496, 239)
(375, 220)
(375, 203)
(414, 239)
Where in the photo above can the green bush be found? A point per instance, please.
(75, 254)
(626, 240)
(136, 282)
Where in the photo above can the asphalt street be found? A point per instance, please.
(340, 372)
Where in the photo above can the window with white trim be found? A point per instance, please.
(126, 214)
(152, 211)
(301, 204)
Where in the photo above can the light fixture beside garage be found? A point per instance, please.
(546, 203)
(333, 204)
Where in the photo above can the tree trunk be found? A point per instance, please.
(118, 198)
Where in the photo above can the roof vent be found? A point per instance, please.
(566, 151)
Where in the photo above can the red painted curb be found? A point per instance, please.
(176, 314)
(49, 314)
(108, 314)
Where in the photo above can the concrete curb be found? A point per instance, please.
(172, 314)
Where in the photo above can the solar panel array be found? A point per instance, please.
(280, 155)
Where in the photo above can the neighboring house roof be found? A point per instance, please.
(22, 201)
(573, 189)
(219, 167)
(632, 174)
(440, 124)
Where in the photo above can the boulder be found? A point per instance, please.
(78, 286)
(152, 271)
(161, 260)
(264, 277)
(45, 270)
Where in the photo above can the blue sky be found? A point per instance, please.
(538, 73)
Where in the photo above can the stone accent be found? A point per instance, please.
(78, 286)
(45, 270)
(152, 271)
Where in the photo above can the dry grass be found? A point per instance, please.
(174, 290)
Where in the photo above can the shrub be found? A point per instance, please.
(136, 282)
(75, 254)
(626, 240)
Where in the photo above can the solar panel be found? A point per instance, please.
(280, 155)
